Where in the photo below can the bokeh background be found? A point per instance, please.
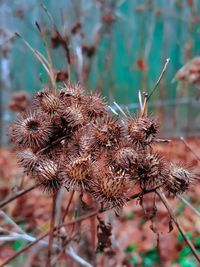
(118, 47)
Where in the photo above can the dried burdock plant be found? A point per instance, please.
(31, 129)
(46, 174)
(111, 188)
(149, 170)
(75, 171)
(142, 130)
(28, 160)
(67, 139)
(179, 180)
(47, 101)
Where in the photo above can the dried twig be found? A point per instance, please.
(181, 230)
(79, 219)
(189, 205)
(49, 57)
(18, 194)
(189, 147)
(68, 205)
(159, 79)
(52, 226)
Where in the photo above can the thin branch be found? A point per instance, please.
(68, 205)
(79, 219)
(52, 144)
(159, 79)
(144, 192)
(6, 217)
(22, 250)
(189, 147)
(37, 54)
(49, 57)
(52, 226)
(18, 194)
(189, 205)
(76, 257)
(69, 251)
(181, 230)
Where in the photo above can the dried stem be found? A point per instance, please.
(18, 194)
(68, 205)
(159, 79)
(52, 144)
(189, 147)
(181, 230)
(189, 205)
(52, 226)
(50, 63)
(23, 250)
(79, 219)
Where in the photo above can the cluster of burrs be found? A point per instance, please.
(68, 138)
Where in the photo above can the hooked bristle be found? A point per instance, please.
(46, 174)
(47, 101)
(111, 188)
(31, 130)
(75, 172)
(142, 130)
(107, 132)
(149, 170)
(179, 180)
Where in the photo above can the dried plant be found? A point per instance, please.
(100, 154)
(67, 139)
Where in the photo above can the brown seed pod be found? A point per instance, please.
(142, 130)
(82, 141)
(95, 106)
(110, 188)
(46, 174)
(74, 116)
(47, 101)
(107, 132)
(75, 172)
(179, 180)
(28, 160)
(72, 94)
(124, 155)
(149, 170)
(31, 130)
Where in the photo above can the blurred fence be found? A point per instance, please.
(132, 39)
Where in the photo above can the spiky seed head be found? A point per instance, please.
(75, 172)
(179, 180)
(142, 130)
(28, 160)
(31, 130)
(72, 94)
(46, 174)
(110, 188)
(74, 116)
(149, 170)
(124, 155)
(95, 106)
(107, 132)
(82, 141)
(47, 101)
